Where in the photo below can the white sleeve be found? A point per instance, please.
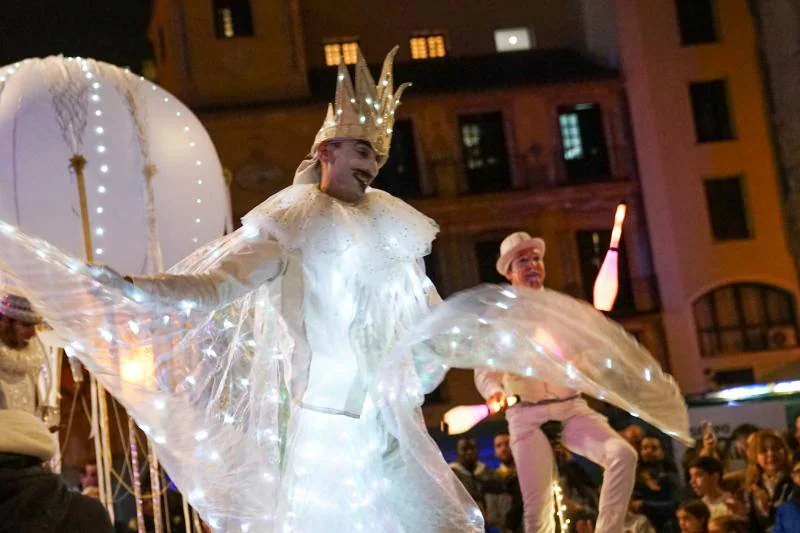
(488, 382)
(237, 274)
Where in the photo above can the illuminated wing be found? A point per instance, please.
(544, 335)
(194, 382)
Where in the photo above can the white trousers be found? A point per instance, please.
(586, 433)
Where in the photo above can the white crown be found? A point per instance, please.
(366, 112)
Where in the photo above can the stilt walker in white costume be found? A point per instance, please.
(585, 431)
(280, 370)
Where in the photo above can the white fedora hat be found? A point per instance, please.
(513, 245)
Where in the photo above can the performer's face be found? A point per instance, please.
(527, 269)
(347, 168)
(16, 334)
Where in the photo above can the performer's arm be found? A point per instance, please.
(488, 382)
(236, 275)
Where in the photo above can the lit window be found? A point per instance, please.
(233, 18)
(585, 153)
(348, 50)
(419, 48)
(427, 46)
(436, 46)
(350, 53)
(512, 39)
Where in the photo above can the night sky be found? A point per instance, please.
(109, 30)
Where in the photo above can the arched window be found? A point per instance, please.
(745, 317)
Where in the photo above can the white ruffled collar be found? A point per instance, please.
(381, 229)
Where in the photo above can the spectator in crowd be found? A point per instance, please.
(705, 474)
(657, 491)
(793, 437)
(693, 517)
(33, 499)
(499, 505)
(735, 453)
(767, 481)
(634, 434)
(88, 479)
(470, 471)
(727, 524)
(787, 517)
(707, 447)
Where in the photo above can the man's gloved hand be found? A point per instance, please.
(114, 280)
(108, 277)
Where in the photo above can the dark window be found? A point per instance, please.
(712, 119)
(592, 248)
(583, 142)
(432, 267)
(483, 142)
(726, 209)
(487, 253)
(696, 21)
(745, 317)
(729, 378)
(233, 18)
(400, 175)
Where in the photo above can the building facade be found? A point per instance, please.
(517, 120)
(711, 189)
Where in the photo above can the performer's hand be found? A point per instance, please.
(108, 277)
(584, 526)
(497, 402)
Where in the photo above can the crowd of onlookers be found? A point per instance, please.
(748, 483)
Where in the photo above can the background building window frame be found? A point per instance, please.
(396, 179)
(728, 222)
(745, 317)
(697, 21)
(585, 142)
(346, 47)
(711, 111)
(428, 45)
(477, 156)
(233, 18)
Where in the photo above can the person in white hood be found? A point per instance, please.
(586, 432)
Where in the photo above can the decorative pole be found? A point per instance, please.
(137, 482)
